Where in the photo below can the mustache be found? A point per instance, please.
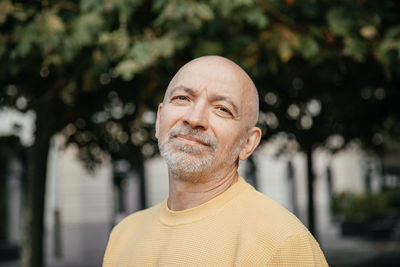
(195, 133)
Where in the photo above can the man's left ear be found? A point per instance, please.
(157, 126)
(252, 141)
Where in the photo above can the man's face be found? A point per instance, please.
(201, 125)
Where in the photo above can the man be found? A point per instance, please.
(212, 217)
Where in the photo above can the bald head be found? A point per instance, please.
(207, 69)
(207, 119)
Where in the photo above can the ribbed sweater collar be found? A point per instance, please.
(171, 218)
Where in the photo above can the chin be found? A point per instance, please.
(187, 165)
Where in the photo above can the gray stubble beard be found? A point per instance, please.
(187, 161)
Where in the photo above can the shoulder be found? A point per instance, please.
(299, 250)
(262, 210)
(269, 227)
(136, 220)
(264, 222)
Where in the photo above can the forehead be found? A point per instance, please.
(216, 79)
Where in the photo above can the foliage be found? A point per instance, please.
(322, 68)
(350, 207)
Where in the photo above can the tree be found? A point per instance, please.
(334, 81)
(62, 63)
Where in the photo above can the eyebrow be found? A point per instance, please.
(191, 91)
(226, 99)
(188, 90)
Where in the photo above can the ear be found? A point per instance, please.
(158, 119)
(252, 141)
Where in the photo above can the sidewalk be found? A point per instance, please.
(83, 245)
(357, 252)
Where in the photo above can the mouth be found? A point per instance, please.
(190, 140)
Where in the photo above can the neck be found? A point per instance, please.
(186, 194)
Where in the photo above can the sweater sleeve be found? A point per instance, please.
(299, 251)
(107, 262)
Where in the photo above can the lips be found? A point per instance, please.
(186, 138)
(190, 139)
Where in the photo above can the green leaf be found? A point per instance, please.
(127, 69)
(228, 7)
(25, 38)
(67, 93)
(308, 47)
(393, 33)
(204, 12)
(142, 52)
(116, 43)
(87, 5)
(340, 20)
(50, 23)
(388, 51)
(207, 47)
(159, 4)
(255, 16)
(285, 51)
(86, 28)
(165, 46)
(6, 8)
(355, 47)
(180, 11)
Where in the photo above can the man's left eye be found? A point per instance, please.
(225, 110)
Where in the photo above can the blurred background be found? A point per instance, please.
(80, 82)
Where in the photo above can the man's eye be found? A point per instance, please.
(224, 110)
(180, 98)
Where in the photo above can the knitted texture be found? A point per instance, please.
(240, 227)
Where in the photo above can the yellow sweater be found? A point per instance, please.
(240, 227)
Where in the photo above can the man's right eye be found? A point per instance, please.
(180, 98)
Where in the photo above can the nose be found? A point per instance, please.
(197, 116)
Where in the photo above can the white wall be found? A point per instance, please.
(81, 196)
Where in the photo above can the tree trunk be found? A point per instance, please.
(3, 201)
(32, 247)
(330, 181)
(292, 187)
(310, 193)
(251, 172)
(142, 185)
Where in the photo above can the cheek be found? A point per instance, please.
(229, 134)
(171, 114)
(168, 118)
(227, 137)
(162, 131)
